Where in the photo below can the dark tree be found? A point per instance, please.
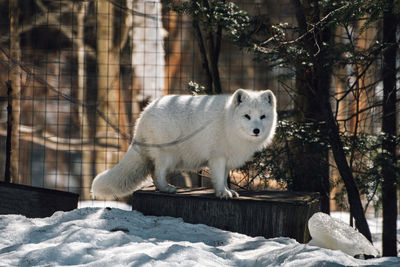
(311, 168)
(389, 186)
(316, 91)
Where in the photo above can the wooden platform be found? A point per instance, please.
(34, 201)
(267, 213)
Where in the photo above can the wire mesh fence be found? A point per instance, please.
(80, 72)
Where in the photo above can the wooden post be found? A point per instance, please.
(15, 87)
(7, 174)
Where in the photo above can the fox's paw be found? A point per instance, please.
(168, 189)
(234, 193)
(226, 193)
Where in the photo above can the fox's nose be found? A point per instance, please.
(256, 131)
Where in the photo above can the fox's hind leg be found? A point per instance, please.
(161, 167)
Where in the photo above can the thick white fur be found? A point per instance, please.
(188, 132)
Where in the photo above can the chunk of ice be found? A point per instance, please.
(331, 233)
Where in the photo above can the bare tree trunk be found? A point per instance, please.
(109, 45)
(209, 46)
(360, 93)
(135, 84)
(389, 186)
(203, 53)
(148, 56)
(345, 172)
(15, 77)
(175, 56)
(87, 155)
(106, 70)
(332, 131)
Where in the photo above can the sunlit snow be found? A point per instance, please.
(115, 237)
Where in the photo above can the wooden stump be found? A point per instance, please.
(267, 213)
(34, 201)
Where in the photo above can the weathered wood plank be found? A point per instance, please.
(34, 201)
(267, 213)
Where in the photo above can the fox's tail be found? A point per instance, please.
(122, 180)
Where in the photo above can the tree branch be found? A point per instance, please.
(53, 142)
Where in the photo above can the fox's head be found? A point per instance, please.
(254, 114)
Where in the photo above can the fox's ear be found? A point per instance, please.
(269, 97)
(240, 96)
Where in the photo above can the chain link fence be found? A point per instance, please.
(78, 73)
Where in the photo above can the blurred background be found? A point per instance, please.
(78, 73)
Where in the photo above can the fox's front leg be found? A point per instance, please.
(218, 176)
(234, 193)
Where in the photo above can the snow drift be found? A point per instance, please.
(113, 237)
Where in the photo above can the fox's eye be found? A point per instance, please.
(247, 116)
(262, 117)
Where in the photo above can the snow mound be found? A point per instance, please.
(331, 233)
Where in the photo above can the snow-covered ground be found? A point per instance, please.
(91, 236)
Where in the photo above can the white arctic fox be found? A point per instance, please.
(188, 132)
